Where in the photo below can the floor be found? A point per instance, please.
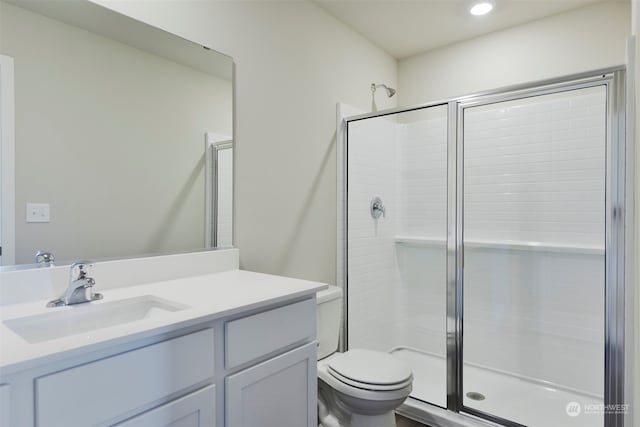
(527, 402)
(406, 422)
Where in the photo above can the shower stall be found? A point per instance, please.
(481, 240)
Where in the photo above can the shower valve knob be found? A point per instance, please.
(377, 208)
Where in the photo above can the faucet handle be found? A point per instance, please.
(82, 267)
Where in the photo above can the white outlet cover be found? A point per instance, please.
(38, 212)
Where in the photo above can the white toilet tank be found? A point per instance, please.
(328, 320)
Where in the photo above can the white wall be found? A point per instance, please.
(87, 143)
(294, 62)
(580, 40)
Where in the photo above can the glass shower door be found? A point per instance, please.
(396, 264)
(534, 260)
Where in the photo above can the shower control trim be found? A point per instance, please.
(377, 208)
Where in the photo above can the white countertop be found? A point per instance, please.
(208, 297)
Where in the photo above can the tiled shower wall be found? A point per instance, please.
(421, 182)
(534, 169)
(371, 263)
(422, 175)
(534, 173)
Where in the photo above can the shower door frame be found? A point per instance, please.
(613, 79)
(615, 173)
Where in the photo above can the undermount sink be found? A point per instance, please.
(83, 318)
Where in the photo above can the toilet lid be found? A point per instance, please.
(374, 369)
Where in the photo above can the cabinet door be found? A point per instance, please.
(193, 410)
(280, 392)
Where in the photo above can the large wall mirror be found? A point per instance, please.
(123, 136)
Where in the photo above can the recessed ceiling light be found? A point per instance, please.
(481, 8)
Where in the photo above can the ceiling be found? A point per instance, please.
(407, 27)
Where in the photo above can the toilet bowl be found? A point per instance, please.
(357, 388)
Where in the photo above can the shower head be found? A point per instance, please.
(390, 91)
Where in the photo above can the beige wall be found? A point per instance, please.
(111, 137)
(580, 40)
(294, 62)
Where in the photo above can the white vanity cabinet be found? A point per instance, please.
(253, 368)
(281, 390)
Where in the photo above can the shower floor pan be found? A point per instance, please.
(528, 402)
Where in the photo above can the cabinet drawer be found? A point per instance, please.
(193, 410)
(251, 337)
(108, 388)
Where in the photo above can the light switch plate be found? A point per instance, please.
(38, 212)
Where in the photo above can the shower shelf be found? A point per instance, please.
(425, 241)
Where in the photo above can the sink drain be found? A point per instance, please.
(474, 395)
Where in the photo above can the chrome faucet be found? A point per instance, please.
(45, 258)
(80, 288)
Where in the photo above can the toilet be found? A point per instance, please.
(358, 388)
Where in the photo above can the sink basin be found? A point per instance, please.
(87, 317)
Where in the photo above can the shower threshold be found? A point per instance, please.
(526, 401)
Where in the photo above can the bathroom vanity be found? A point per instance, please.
(223, 348)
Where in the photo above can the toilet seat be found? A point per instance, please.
(368, 386)
(369, 370)
(360, 391)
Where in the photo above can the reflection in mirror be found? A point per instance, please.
(219, 190)
(110, 119)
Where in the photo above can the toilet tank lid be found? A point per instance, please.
(331, 293)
